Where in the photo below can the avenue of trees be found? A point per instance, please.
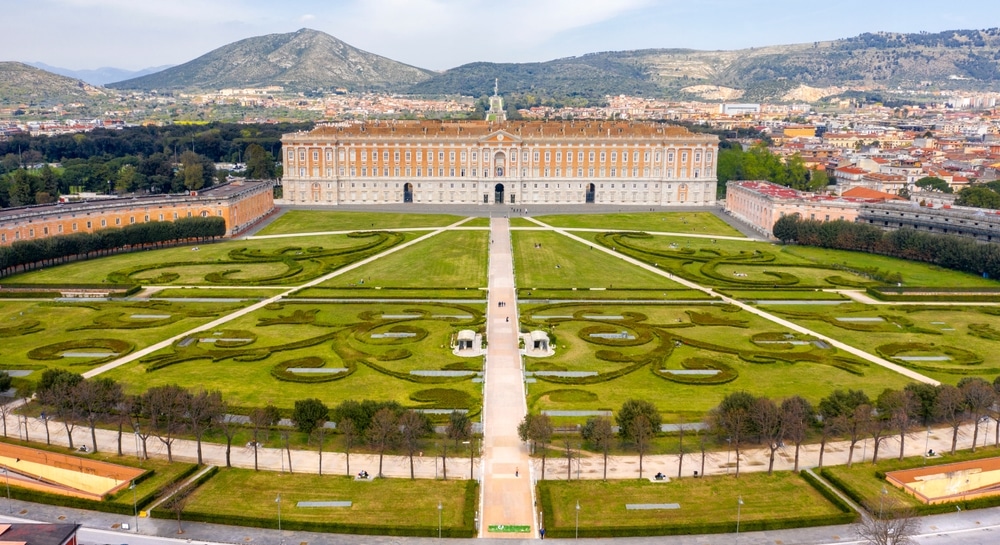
(948, 251)
(745, 420)
(23, 255)
(168, 159)
(166, 413)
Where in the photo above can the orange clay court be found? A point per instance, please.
(950, 482)
(63, 474)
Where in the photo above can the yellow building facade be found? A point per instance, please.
(506, 162)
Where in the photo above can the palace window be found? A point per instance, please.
(535, 156)
(548, 157)
(614, 156)
(407, 155)
(329, 155)
(603, 156)
(420, 156)
(590, 157)
(385, 156)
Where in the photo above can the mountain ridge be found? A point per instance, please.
(298, 61)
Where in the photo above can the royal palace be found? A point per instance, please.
(500, 162)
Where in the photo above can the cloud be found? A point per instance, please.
(305, 19)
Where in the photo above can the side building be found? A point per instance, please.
(759, 204)
(242, 204)
(512, 163)
(977, 223)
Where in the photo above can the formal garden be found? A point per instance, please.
(386, 330)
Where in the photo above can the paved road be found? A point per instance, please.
(508, 494)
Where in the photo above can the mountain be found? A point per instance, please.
(957, 58)
(99, 76)
(305, 60)
(23, 84)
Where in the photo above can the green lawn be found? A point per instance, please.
(224, 293)
(681, 402)
(248, 381)
(940, 326)
(453, 259)
(565, 263)
(702, 223)
(138, 324)
(319, 221)
(915, 274)
(665, 295)
(477, 222)
(191, 264)
(388, 504)
(706, 504)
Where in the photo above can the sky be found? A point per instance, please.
(442, 34)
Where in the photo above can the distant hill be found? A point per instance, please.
(23, 84)
(99, 76)
(958, 58)
(300, 61)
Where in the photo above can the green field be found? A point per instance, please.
(454, 259)
(739, 345)
(702, 223)
(705, 505)
(382, 503)
(564, 263)
(248, 370)
(321, 221)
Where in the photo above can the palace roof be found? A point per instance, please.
(523, 130)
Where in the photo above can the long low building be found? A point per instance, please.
(241, 203)
(500, 162)
(759, 204)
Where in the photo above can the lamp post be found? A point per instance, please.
(577, 519)
(278, 501)
(471, 459)
(881, 499)
(137, 453)
(440, 507)
(729, 442)
(927, 444)
(135, 507)
(739, 506)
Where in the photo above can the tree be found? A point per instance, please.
(888, 522)
(786, 229)
(166, 406)
(413, 427)
(204, 409)
(731, 420)
(796, 414)
(632, 409)
(766, 418)
(55, 389)
(309, 413)
(950, 407)
(228, 425)
(260, 163)
(599, 432)
(459, 427)
(350, 432)
(933, 183)
(900, 408)
(261, 420)
(978, 197)
(641, 431)
(383, 433)
(979, 397)
(839, 411)
(97, 398)
(536, 428)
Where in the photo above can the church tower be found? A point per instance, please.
(496, 111)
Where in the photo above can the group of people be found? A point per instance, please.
(363, 474)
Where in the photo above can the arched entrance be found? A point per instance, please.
(315, 192)
(498, 194)
(682, 193)
(499, 163)
(407, 192)
(590, 193)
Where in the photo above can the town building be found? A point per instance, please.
(241, 203)
(500, 162)
(980, 224)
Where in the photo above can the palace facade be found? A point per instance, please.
(500, 162)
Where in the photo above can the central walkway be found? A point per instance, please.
(506, 480)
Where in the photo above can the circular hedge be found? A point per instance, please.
(282, 373)
(726, 372)
(642, 335)
(571, 396)
(55, 351)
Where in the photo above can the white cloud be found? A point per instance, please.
(305, 19)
